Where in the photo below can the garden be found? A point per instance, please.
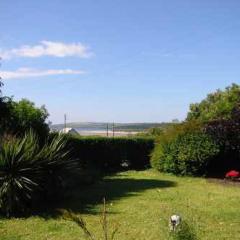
(54, 186)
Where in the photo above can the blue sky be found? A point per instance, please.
(118, 60)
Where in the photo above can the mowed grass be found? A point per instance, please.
(140, 204)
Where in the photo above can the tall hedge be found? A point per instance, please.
(112, 153)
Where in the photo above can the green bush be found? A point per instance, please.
(194, 153)
(164, 155)
(111, 154)
(187, 154)
(28, 170)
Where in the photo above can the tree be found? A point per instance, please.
(24, 115)
(217, 105)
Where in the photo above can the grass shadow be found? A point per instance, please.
(84, 199)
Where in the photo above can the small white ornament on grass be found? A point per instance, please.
(175, 220)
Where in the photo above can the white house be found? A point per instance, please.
(69, 131)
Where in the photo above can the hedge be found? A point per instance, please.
(110, 154)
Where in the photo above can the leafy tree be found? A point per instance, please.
(25, 115)
(21, 116)
(217, 105)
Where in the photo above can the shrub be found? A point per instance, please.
(164, 156)
(226, 132)
(28, 169)
(187, 154)
(194, 153)
(161, 157)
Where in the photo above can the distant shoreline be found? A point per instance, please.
(104, 133)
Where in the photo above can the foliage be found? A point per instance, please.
(175, 130)
(218, 117)
(26, 169)
(5, 107)
(4, 110)
(194, 152)
(26, 115)
(217, 105)
(187, 154)
(162, 157)
(226, 132)
(155, 131)
(20, 117)
(110, 154)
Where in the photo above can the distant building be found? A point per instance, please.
(71, 131)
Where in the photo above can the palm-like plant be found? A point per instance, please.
(27, 168)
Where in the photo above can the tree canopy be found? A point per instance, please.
(217, 105)
(23, 115)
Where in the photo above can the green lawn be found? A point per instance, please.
(140, 203)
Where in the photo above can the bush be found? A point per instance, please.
(28, 170)
(111, 154)
(187, 154)
(226, 132)
(164, 155)
(194, 153)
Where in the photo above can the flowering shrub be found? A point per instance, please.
(232, 174)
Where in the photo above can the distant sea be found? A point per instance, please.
(100, 131)
(100, 128)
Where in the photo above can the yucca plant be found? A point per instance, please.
(28, 168)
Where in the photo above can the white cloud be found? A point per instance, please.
(29, 72)
(48, 48)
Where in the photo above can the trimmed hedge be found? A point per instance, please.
(111, 154)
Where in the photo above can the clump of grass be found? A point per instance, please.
(107, 235)
(184, 232)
